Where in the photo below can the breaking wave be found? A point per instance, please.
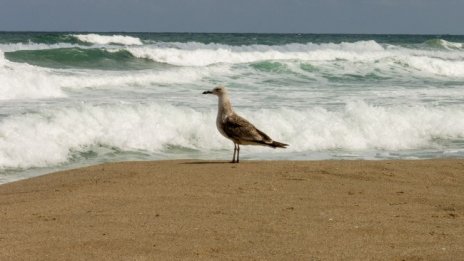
(443, 44)
(76, 57)
(357, 54)
(198, 54)
(50, 137)
(24, 81)
(108, 39)
(362, 55)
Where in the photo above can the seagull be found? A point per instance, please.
(237, 129)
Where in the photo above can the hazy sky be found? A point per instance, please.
(275, 16)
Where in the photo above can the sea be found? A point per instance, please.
(75, 99)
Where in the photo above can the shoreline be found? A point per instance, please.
(44, 171)
(185, 209)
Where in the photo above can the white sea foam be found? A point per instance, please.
(369, 45)
(11, 47)
(361, 126)
(136, 78)
(198, 61)
(364, 56)
(197, 54)
(451, 45)
(49, 137)
(367, 54)
(108, 39)
(23, 81)
(436, 66)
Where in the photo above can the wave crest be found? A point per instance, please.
(350, 56)
(49, 137)
(108, 39)
(443, 44)
(23, 81)
(87, 58)
(198, 54)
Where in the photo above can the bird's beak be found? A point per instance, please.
(207, 92)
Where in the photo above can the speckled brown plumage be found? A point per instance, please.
(236, 128)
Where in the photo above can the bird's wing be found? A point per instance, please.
(238, 128)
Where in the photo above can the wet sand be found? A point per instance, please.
(276, 210)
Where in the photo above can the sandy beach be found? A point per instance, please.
(256, 210)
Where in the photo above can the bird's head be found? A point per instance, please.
(218, 91)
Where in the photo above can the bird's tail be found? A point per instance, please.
(276, 144)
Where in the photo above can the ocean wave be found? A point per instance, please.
(135, 78)
(76, 57)
(363, 54)
(435, 66)
(387, 60)
(12, 47)
(291, 47)
(50, 137)
(24, 81)
(15, 38)
(443, 44)
(108, 39)
(198, 54)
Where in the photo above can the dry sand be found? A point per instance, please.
(276, 210)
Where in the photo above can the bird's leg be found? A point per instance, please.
(235, 150)
(238, 153)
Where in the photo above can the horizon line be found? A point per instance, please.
(181, 32)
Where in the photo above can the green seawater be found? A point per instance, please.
(76, 57)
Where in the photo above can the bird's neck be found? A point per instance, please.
(224, 105)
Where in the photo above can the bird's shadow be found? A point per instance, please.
(206, 162)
